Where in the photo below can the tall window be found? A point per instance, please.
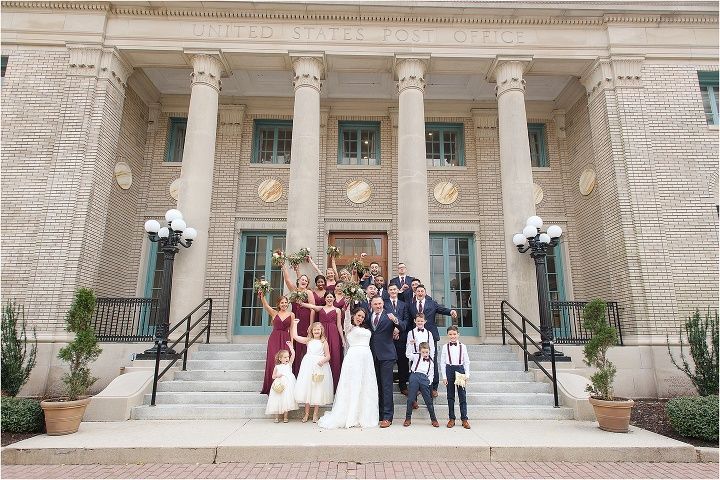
(444, 145)
(538, 144)
(272, 141)
(255, 262)
(709, 90)
(176, 139)
(3, 65)
(153, 287)
(359, 143)
(452, 279)
(556, 288)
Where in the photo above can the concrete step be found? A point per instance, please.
(221, 365)
(261, 355)
(475, 412)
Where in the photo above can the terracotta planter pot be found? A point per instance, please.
(61, 417)
(612, 415)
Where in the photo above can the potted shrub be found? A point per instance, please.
(63, 415)
(612, 413)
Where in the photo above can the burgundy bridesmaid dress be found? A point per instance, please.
(276, 342)
(329, 321)
(302, 314)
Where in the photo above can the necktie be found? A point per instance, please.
(420, 306)
(402, 280)
(376, 320)
(394, 306)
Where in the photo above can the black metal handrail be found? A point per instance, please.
(569, 316)
(125, 319)
(524, 344)
(188, 343)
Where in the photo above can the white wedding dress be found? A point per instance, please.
(356, 398)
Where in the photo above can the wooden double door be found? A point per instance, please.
(354, 244)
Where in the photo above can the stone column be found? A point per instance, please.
(304, 189)
(196, 182)
(412, 191)
(516, 179)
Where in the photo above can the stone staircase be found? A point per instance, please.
(222, 381)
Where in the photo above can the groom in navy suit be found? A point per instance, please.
(383, 328)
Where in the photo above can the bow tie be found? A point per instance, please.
(453, 344)
(426, 359)
(421, 329)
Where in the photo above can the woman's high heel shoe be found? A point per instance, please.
(305, 418)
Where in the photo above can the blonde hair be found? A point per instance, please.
(280, 354)
(322, 331)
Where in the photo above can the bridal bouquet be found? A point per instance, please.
(261, 286)
(278, 258)
(357, 265)
(295, 260)
(304, 253)
(353, 291)
(298, 297)
(333, 251)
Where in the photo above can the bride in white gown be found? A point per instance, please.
(356, 398)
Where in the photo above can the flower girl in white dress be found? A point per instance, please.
(356, 397)
(281, 398)
(314, 384)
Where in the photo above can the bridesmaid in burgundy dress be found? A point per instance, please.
(305, 316)
(340, 300)
(330, 276)
(282, 320)
(319, 291)
(330, 317)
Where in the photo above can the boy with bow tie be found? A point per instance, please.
(421, 376)
(453, 360)
(415, 337)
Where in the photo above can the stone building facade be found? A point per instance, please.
(615, 106)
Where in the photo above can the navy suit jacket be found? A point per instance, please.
(405, 296)
(430, 308)
(370, 279)
(381, 340)
(384, 295)
(403, 315)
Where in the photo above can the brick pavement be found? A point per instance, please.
(371, 470)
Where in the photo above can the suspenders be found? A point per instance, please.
(460, 359)
(417, 363)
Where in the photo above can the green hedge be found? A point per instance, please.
(694, 416)
(22, 415)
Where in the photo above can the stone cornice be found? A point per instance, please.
(464, 15)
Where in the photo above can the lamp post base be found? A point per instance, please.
(164, 350)
(543, 356)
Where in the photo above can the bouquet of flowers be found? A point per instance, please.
(356, 265)
(298, 297)
(333, 251)
(295, 260)
(304, 253)
(261, 286)
(353, 291)
(278, 258)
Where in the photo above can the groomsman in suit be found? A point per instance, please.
(397, 307)
(403, 282)
(382, 290)
(368, 277)
(422, 303)
(383, 328)
(370, 292)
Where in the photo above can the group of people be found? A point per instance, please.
(393, 324)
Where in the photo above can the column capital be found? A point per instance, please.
(207, 70)
(393, 113)
(410, 71)
(84, 60)
(308, 69)
(559, 118)
(627, 70)
(231, 117)
(607, 73)
(485, 120)
(507, 72)
(153, 117)
(114, 68)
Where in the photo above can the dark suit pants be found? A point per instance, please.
(450, 371)
(419, 382)
(384, 374)
(402, 364)
(436, 378)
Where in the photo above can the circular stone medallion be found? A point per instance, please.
(587, 181)
(358, 191)
(538, 193)
(123, 175)
(175, 188)
(445, 192)
(270, 190)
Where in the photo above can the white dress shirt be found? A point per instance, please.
(425, 366)
(454, 355)
(413, 351)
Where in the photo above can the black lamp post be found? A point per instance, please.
(537, 242)
(168, 239)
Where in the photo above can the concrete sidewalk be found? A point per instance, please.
(216, 441)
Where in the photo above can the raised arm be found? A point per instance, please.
(312, 262)
(295, 336)
(348, 321)
(271, 311)
(286, 277)
(290, 347)
(311, 305)
(334, 267)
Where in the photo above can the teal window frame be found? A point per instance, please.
(358, 127)
(177, 128)
(3, 65)
(264, 327)
(275, 126)
(152, 270)
(555, 267)
(709, 82)
(442, 129)
(446, 297)
(540, 158)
